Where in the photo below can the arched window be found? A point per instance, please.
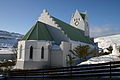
(42, 53)
(20, 54)
(31, 52)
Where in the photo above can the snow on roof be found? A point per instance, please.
(6, 51)
(80, 43)
(56, 47)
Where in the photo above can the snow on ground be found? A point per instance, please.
(101, 59)
(106, 41)
(114, 56)
(6, 51)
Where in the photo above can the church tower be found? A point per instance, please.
(80, 21)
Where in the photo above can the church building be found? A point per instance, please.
(50, 40)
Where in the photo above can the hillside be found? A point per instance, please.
(106, 41)
(9, 39)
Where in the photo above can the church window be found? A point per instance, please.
(31, 52)
(79, 19)
(20, 54)
(42, 53)
(74, 20)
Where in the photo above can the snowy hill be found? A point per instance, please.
(106, 41)
(8, 39)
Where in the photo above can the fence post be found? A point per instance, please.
(43, 74)
(71, 70)
(110, 71)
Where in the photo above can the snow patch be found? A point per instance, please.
(106, 41)
(56, 47)
(101, 59)
(6, 51)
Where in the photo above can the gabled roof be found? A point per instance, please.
(38, 32)
(72, 32)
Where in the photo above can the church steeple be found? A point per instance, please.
(79, 20)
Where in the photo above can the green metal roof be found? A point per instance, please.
(72, 32)
(38, 32)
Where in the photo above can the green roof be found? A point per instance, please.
(72, 32)
(38, 32)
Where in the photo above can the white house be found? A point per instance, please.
(48, 42)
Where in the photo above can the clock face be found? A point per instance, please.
(76, 21)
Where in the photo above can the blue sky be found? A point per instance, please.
(20, 15)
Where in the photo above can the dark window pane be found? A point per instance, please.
(31, 52)
(42, 53)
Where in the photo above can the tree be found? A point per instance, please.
(119, 48)
(110, 48)
(83, 51)
(70, 60)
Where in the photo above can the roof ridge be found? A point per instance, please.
(31, 32)
(37, 31)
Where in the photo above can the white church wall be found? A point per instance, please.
(20, 61)
(37, 45)
(21, 43)
(65, 46)
(46, 49)
(80, 23)
(35, 65)
(56, 58)
(36, 62)
(77, 18)
(28, 44)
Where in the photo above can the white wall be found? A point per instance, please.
(65, 46)
(81, 24)
(56, 58)
(36, 63)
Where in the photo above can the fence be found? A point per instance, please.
(110, 69)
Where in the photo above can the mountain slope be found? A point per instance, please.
(8, 39)
(106, 41)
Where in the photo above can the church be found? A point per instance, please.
(50, 40)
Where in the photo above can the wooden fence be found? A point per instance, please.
(109, 70)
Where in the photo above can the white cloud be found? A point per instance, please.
(103, 30)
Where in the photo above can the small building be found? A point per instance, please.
(50, 40)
